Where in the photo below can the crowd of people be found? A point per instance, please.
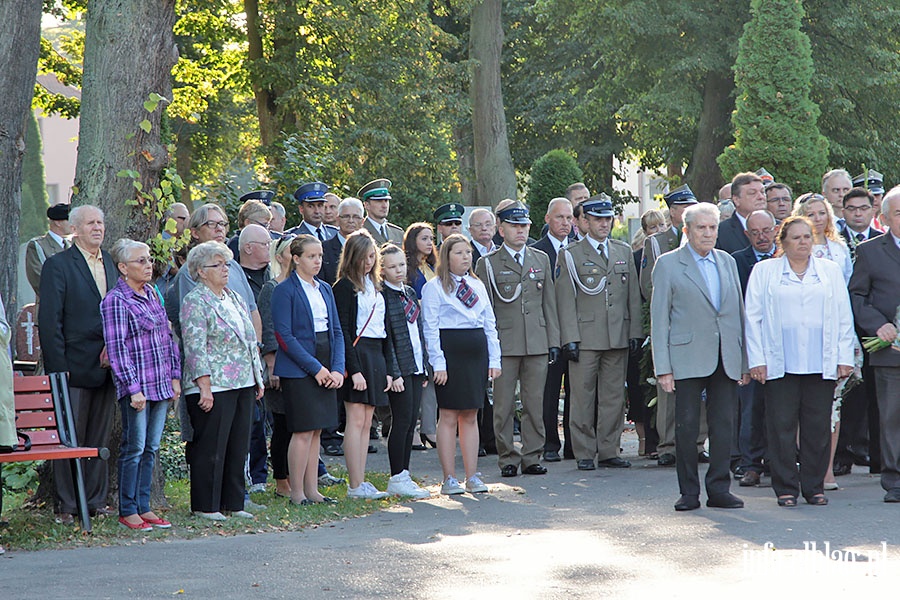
(347, 323)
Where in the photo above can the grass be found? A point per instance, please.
(35, 529)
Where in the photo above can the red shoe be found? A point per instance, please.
(142, 526)
(160, 523)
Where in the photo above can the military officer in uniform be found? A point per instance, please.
(520, 287)
(376, 196)
(656, 245)
(873, 181)
(597, 291)
(40, 248)
(311, 200)
(448, 219)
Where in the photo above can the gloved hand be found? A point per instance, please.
(571, 351)
(554, 356)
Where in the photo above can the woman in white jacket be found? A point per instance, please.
(799, 341)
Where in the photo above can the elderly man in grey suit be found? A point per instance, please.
(697, 327)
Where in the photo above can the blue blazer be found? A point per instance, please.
(294, 330)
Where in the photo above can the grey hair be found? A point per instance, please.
(891, 196)
(201, 215)
(354, 202)
(726, 208)
(696, 210)
(247, 232)
(479, 211)
(556, 202)
(121, 250)
(76, 215)
(201, 254)
(277, 207)
(763, 212)
(171, 210)
(835, 173)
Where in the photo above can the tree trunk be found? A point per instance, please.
(129, 52)
(703, 174)
(265, 101)
(462, 143)
(495, 178)
(19, 48)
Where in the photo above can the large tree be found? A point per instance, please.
(19, 48)
(129, 52)
(774, 120)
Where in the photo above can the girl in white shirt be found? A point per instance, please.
(464, 350)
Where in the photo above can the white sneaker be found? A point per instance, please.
(365, 491)
(402, 484)
(254, 505)
(474, 484)
(327, 479)
(212, 516)
(257, 488)
(242, 514)
(451, 487)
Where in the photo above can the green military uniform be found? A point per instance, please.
(524, 304)
(394, 233)
(599, 298)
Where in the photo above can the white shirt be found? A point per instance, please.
(414, 338)
(896, 239)
(364, 303)
(802, 304)
(379, 227)
(316, 303)
(513, 253)
(445, 311)
(57, 238)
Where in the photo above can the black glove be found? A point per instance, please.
(554, 356)
(634, 345)
(571, 351)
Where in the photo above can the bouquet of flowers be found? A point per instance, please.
(875, 344)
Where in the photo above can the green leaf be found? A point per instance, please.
(138, 185)
(145, 125)
(150, 105)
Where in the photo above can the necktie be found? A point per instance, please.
(764, 256)
(600, 250)
(384, 232)
(860, 237)
(465, 294)
(319, 234)
(410, 308)
(518, 258)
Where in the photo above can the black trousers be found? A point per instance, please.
(721, 399)
(404, 411)
(92, 411)
(557, 374)
(281, 439)
(802, 401)
(217, 453)
(859, 423)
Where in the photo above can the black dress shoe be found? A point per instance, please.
(334, 450)
(552, 456)
(509, 471)
(893, 495)
(842, 469)
(703, 457)
(373, 449)
(481, 451)
(726, 500)
(418, 447)
(750, 479)
(861, 460)
(666, 460)
(615, 462)
(535, 469)
(739, 472)
(687, 503)
(585, 464)
(490, 449)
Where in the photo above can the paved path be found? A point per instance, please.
(569, 534)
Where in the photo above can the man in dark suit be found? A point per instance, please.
(749, 445)
(350, 219)
(482, 227)
(858, 441)
(697, 326)
(874, 292)
(559, 220)
(73, 283)
(748, 194)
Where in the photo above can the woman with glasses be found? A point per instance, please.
(146, 369)
(222, 377)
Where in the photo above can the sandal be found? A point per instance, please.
(787, 501)
(817, 500)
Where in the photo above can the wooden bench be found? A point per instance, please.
(44, 414)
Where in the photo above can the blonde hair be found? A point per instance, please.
(353, 257)
(443, 264)
(277, 248)
(802, 209)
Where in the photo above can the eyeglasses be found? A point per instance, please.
(223, 266)
(485, 225)
(144, 260)
(350, 217)
(780, 200)
(755, 233)
(217, 224)
(858, 208)
(451, 223)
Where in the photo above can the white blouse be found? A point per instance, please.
(802, 303)
(364, 302)
(316, 303)
(445, 311)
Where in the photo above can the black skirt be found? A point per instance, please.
(466, 353)
(307, 405)
(374, 369)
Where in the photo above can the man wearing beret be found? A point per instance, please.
(310, 198)
(40, 248)
(376, 197)
(520, 284)
(597, 291)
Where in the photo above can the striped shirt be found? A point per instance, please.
(142, 352)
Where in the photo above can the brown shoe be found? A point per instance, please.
(750, 479)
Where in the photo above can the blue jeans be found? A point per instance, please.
(141, 432)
